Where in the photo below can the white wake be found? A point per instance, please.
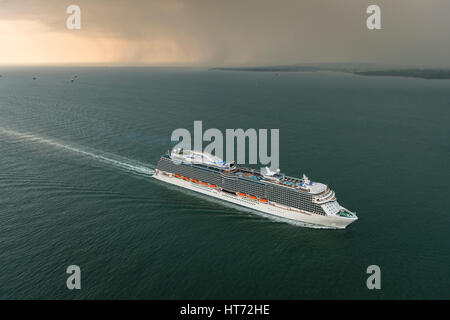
(116, 161)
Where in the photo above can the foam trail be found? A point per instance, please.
(113, 160)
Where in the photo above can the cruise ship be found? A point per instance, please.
(271, 192)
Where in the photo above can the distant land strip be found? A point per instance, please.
(412, 73)
(359, 69)
(271, 69)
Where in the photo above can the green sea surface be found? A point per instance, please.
(76, 159)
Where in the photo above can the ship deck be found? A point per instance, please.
(256, 175)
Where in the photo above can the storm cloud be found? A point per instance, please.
(225, 33)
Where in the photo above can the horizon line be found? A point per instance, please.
(210, 66)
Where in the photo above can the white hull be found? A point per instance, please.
(293, 214)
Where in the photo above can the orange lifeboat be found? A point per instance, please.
(204, 183)
(177, 176)
(241, 194)
(212, 186)
(186, 178)
(263, 200)
(194, 180)
(252, 197)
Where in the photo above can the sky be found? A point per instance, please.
(224, 33)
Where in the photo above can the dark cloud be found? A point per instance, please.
(259, 32)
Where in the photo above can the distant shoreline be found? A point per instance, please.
(358, 69)
(269, 69)
(410, 73)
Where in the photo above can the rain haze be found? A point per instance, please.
(224, 33)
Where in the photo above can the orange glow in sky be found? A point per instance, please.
(28, 42)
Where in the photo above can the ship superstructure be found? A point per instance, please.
(271, 192)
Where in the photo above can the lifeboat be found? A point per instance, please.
(252, 197)
(241, 194)
(212, 186)
(263, 200)
(194, 180)
(204, 183)
(186, 178)
(177, 176)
